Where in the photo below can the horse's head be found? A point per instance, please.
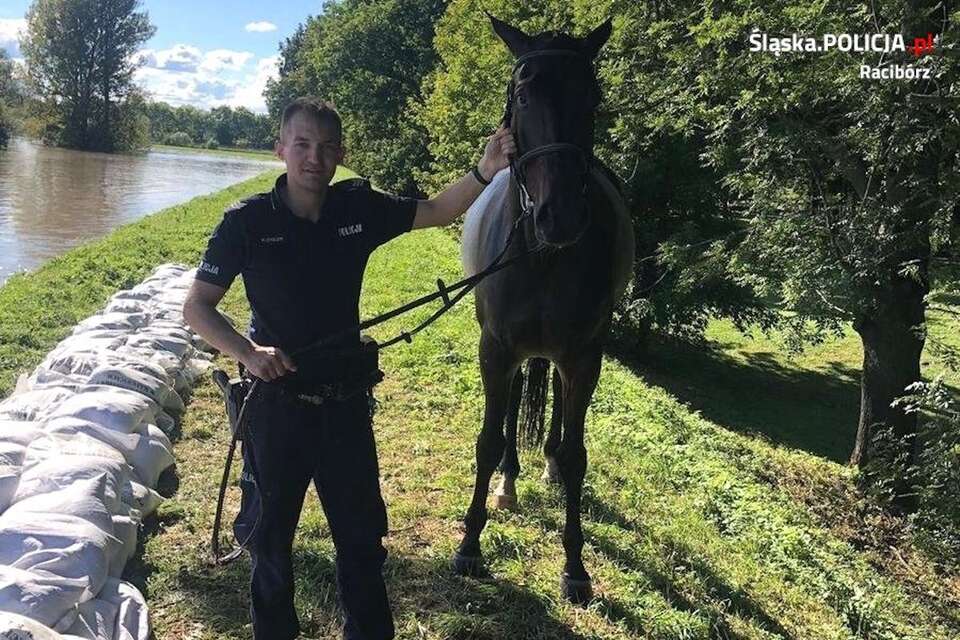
(552, 98)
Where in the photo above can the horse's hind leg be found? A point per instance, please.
(496, 368)
(551, 472)
(505, 496)
(580, 377)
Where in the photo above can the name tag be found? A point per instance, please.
(350, 230)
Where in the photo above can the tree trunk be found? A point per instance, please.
(893, 336)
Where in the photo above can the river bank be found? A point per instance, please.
(694, 528)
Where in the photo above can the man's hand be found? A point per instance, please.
(267, 363)
(496, 155)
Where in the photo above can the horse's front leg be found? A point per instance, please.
(497, 367)
(580, 375)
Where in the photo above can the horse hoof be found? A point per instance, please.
(504, 501)
(576, 591)
(471, 566)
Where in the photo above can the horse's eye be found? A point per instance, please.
(521, 98)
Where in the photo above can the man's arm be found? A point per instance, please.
(449, 204)
(200, 312)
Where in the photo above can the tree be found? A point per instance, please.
(9, 93)
(849, 186)
(79, 57)
(340, 55)
(681, 212)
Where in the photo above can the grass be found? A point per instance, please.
(714, 505)
(257, 154)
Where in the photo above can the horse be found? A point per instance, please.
(566, 211)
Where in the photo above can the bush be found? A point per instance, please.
(241, 143)
(211, 144)
(179, 139)
(5, 126)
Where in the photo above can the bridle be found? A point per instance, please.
(517, 165)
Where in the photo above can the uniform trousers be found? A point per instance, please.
(287, 443)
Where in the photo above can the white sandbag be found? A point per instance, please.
(148, 454)
(9, 482)
(128, 322)
(62, 546)
(52, 446)
(11, 453)
(84, 499)
(118, 613)
(111, 407)
(126, 529)
(31, 405)
(55, 473)
(159, 342)
(19, 432)
(143, 498)
(145, 384)
(42, 378)
(14, 626)
(125, 306)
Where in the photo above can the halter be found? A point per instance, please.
(517, 166)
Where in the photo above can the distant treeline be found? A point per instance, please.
(218, 127)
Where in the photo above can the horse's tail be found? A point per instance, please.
(534, 401)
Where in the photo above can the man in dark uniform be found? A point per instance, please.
(301, 250)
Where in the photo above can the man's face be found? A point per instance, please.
(311, 150)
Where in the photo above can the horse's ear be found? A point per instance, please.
(517, 41)
(597, 38)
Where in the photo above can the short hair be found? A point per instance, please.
(323, 111)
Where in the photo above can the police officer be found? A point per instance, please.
(301, 250)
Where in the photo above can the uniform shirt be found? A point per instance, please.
(303, 278)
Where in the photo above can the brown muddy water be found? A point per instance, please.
(54, 199)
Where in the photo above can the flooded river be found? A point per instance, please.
(54, 199)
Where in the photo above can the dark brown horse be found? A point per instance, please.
(557, 303)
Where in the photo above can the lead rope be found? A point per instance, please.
(462, 288)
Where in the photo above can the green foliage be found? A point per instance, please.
(683, 224)
(369, 58)
(80, 61)
(227, 125)
(211, 144)
(178, 139)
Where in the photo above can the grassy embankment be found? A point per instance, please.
(698, 524)
(254, 154)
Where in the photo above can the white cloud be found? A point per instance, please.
(10, 32)
(186, 75)
(220, 59)
(260, 27)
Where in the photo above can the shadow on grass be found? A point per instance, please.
(424, 590)
(736, 601)
(810, 410)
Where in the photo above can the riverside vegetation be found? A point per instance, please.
(715, 506)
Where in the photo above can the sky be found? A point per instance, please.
(205, 53)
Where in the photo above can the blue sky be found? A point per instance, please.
(204, 53)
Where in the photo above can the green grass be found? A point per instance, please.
(257, 154)
(714, 505)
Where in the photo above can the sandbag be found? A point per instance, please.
(19, 432)
(148, 454)
(57, 473)
(110, 407)
(128, 322)
(31, 405)
(145, 384)
(14, 626)
(120, 603)
(58, 545)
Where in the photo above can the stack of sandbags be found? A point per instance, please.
(83, 442)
